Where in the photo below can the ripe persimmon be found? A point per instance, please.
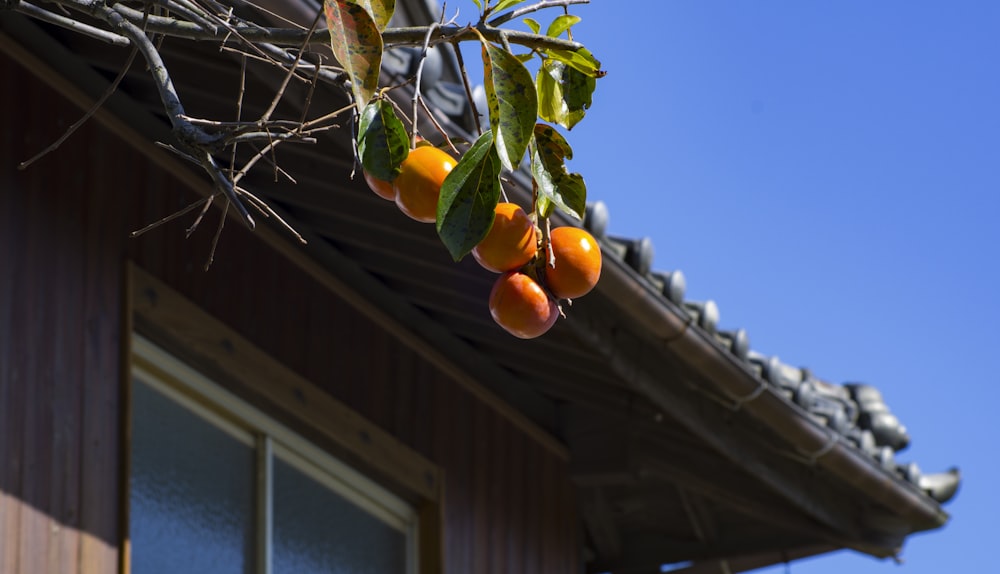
(510, 243)
(577, 263)
(521, 306)
(418, 185)
(381, 187)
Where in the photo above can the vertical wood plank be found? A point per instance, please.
(36, 473)
(498, 515)
(13, 233)
(103, 379)
(64, 331)
(533, 531)
(515, 500)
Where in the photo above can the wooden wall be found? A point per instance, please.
(64, 227)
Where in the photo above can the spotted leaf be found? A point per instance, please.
(357, 44)
(382, 140)
(380, 11)
(469, 198)
(512, 102)
(557, 188)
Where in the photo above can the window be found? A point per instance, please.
(218, 486)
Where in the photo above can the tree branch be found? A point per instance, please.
(71, 24)
(250, 32)
(533, 8)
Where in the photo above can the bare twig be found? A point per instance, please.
(71, 24)
(172, 216)
(277, 217)
(201, 215)
(430, 115)
(309, 96)
(476, 116)
(218, 234)
(254, 34)
(93, 110)
(533, 8)
(239, 111)
(416, 84)
(191, 12)
(227, 187)
(284, 84)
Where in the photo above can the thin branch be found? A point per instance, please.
(309, 96)
(413, 36)
(295, 137)
(416, 84)
(71, 24)
(434, 121)
(93, 110)
(218, 234)
(227, 187)
(476, 116)
(254, 34)
(171, 217)
(276, 216)
(190, 12)
(239, 110)
(291, 71)
(267, 59)
(533, 8)
(201, 215)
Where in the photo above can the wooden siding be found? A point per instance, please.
(64, 223)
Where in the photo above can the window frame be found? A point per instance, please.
(196, 358)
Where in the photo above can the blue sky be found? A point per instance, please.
(829, 174)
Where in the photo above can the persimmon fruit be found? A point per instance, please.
(511, 241)
(418, 185)
(521, 306)
(381, 187)
(577, 263)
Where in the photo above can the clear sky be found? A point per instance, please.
(829, 174)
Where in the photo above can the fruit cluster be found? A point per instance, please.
(535, 272)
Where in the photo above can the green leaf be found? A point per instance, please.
(561, 24)
(581, 60)
(380, 11)
(478, 5)
(564, 93)
(557, 188)
(513, 103)
(357, 44)
(533, 24)
(504, 4)
(382, 140)
(469, 198)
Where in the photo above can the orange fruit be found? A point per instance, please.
(521, 306)
(381, 187)
(418, 184)
(578, 263)
(510, 243)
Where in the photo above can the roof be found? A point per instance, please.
(685, 443)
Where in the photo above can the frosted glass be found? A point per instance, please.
(191, 492)
(318, 531)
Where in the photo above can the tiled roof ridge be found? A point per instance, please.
(856, 411)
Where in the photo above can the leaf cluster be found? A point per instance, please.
(559, 94)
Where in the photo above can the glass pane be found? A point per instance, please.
(318, 531)
(191, 491)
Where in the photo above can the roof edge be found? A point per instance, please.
(825, 447)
